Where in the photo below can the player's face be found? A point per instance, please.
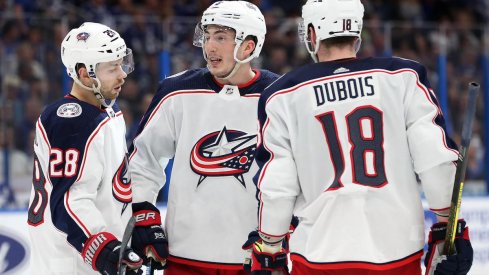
(219, 48)
(111, 76)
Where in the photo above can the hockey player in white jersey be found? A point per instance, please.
(206, 120)
(342, 142)
(81, 193)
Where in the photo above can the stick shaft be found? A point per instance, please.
(448, 248)
(124, 242)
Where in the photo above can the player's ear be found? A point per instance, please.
(312, 34)
(248, 47)
(81, 71)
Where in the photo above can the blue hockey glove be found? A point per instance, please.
(101, 251)
(457, 264)
(149, 238)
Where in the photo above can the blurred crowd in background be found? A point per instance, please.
(32, 75)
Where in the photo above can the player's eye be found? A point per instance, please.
(221, 38)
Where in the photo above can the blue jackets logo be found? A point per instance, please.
(13, 253)
(223, 153)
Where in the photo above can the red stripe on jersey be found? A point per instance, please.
(423, 88)
(357, 264)
(43, 132)
(44, 136)
(205, 264)
(441, 209)
(292, 89)
(90, 139)
(264, 170)
(133, 153)
(159, 105)
(251, 95)
(74, 216)
(183, 92)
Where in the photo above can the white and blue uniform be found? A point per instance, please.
(211, 132)
(80, 186)
(343, 142)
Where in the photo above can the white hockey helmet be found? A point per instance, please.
(331, 18)
(242, 16)
(91, 44)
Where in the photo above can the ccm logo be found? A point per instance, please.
(145, 216)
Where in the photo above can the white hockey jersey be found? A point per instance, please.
(342, 144)
(79, 187)
(211, 132)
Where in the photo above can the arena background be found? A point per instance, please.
(451, 38)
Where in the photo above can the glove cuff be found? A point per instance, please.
(94, 245)
(146, 214)
(144, 206)
(439, 230)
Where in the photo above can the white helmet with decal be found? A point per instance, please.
(242, 16)
(91, 44)
(331, 18)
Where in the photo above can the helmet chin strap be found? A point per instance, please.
(96, 91)
(237, 62)
(231, 73)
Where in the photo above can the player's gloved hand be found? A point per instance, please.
(265, 257)
(293, 224)
(460, 262)
(148, 237)
(101, 251)
(253, 237)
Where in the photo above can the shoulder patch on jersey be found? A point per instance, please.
(69, 110)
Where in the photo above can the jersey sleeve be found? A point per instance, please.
(74, 165)
(152, 148)
(80, 199)
(432, 150)
(277, 180)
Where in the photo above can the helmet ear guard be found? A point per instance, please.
(331, 18)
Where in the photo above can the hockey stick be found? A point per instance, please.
(125, 241)
(458, 185)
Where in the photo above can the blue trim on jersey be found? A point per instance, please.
(66, 133)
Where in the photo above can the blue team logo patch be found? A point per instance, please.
(223, 153)
(69, 110)
(83, 36)
(13, 253)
